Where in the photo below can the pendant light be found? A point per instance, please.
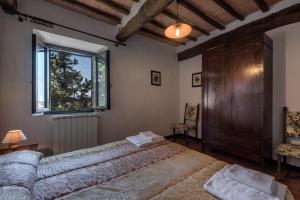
(179, 29)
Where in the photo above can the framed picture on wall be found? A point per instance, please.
(197, 79)
(155, 78)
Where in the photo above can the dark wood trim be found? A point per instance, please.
(94, 10)
(9, 6)
(163, 27)
(284, 17)
(201, 14)
(158, 24)
(108, 99)
(174, 17)
(33, 75)
(86, 9)
(136, 1)
(223, 4)
(115, 6)
(197, 119)
(160, 37)
(197, 28)
(146, 13)
(284, 118)
(262, 4)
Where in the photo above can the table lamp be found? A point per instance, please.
(13, 137)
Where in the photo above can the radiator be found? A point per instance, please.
(74, 132)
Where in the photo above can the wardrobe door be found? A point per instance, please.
(247, 92)
(216, 97)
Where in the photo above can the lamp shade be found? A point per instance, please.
(178, 30)
(13, 137)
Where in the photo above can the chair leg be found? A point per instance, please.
(284, 162)
(279, 157)
(186, 138)
(284, 166)
(174, 134)
(202, 147)
(196, 131)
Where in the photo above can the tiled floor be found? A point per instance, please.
(292, 180)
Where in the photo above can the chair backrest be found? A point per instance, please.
(291, 124)
(191, 114)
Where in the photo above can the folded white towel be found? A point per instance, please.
(139, 140)
(154, 137)
(145, 138)
(226, 188)
(252, 178)
(280, 190)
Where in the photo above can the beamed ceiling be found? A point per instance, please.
(204, 16)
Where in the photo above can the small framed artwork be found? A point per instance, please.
(197, 79)
(155, 78)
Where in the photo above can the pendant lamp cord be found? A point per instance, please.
(177, 11)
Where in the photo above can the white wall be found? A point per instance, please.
(135, 104)
(279, 69)
(286, 69)
(292, 76)
(189, 94)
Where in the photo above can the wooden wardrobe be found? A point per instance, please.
(237, 97)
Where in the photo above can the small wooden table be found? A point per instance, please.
(32, 147)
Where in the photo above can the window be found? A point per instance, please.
(69, 80)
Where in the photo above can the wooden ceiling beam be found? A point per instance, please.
(148, 10)
(282, 18)
(163, 27)
(94, 10)
(160, 37)
(115, 6)
(223, 4)
(174, 17)
(201, 14)
(86, 10)
(262, 4)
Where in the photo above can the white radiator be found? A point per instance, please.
(74, 132)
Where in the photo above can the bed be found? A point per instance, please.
(117, 170)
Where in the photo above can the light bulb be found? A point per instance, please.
(177, 31)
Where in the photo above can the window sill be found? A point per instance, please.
(72, 115)
(65, 115)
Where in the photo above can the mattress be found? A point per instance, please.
(120, 170)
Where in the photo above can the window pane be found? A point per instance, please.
(70, 82)
(40, 73)
(102, 80)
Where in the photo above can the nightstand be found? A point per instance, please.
(32, 147)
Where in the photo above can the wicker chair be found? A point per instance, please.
(291, 128)
(191, 117)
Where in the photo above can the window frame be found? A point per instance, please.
(35, 109)
(95, 89)
(107, 55)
